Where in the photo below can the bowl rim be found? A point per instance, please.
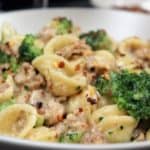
(29, 10)
(48, 145)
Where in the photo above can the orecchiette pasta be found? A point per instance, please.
(60, 74)
(127, 62)
(17, 120)
(6, 32)
(59, 42)
(87, 101)
(114, 123)
(14, 43)
(74, 103)
(118, 128)
(6, 89)
(105, 59)
(42, 134)
(108, 110)
(133, 54)
(131, 44)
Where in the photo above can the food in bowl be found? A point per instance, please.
(62, 85)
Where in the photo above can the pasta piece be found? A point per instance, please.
(60, 75)
(131, 44)
(118, 128)
(100, 63)
(127, 62)
(7, 89)
(42, 134)
(12, 45)
(59, 42)
(6, 32)
(75, 103)
(53, 62)
(106, 111)
(105, 59)
(87, 102)
(114, 123)
(15, 42)
(17, 120)
(133, 54)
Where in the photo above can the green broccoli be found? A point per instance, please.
(131, 92)
(39, 121)
(28, 49)
(11, 60)
(64, 25)
(71, 137)
(4, 58)
(14, 65)
(97, 40)
(6, 104)
(102, 85)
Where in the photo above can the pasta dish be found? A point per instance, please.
(63, 85)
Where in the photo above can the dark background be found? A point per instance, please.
(6, 5)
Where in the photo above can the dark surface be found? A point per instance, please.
(6, 5)
(85, 3)
(15, 4)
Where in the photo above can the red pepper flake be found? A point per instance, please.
(77, 68)
(59, 118)
(61, 64)
(80, 109)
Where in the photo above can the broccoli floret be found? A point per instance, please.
(39, 121)
(28, 49)
(131, 92)
(11, 60)
(71, 137)
(102, 85)
(4, 58)
(97, 40)
(64, 25)
(14, 65)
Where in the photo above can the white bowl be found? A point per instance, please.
(119, 24)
